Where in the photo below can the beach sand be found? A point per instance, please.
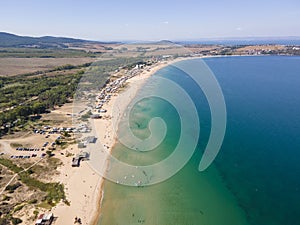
(83, 185)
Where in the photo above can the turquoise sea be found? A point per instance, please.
(255, 177)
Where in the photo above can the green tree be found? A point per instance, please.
(38, 108)
(23, 111)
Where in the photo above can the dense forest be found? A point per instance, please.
(22, 96)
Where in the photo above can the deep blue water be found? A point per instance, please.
(260, 156)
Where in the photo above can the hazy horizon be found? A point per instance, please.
(249, 38)
(135, 20)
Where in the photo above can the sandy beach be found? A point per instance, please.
(83, 185)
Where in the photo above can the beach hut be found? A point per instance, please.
(76, 162)
(83, 155)
(81, 145)
(45, 219)
(90, 139)
(95, 116)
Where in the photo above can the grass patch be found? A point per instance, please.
(33, 201)
(54, 162)
(6, 198)
(15, 145)
(38, 169)
(87, 115)
(7, 163)
(62, 144)
(18, 208)
(44, 205)
(11, 188)
(35, 213)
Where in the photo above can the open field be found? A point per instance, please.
(15, 66)
(44, 53)
(92, 47)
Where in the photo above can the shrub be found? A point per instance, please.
(35, 213)
(33, 201)
(16, 221)
(5, 198)
(13, 186)
(18, 208)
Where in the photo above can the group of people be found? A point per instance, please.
(77, 220)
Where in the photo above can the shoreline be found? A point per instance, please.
(108, 139)
(133, 86)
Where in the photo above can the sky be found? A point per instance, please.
(151, 19)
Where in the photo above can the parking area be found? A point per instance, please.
(33, 145)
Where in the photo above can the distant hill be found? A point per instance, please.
(12, 40)
(164, 42)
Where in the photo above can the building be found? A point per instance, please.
(81, 145)
(95, 116)
(75, 162)
(90, 139)
(81, 156)
(45, 219)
